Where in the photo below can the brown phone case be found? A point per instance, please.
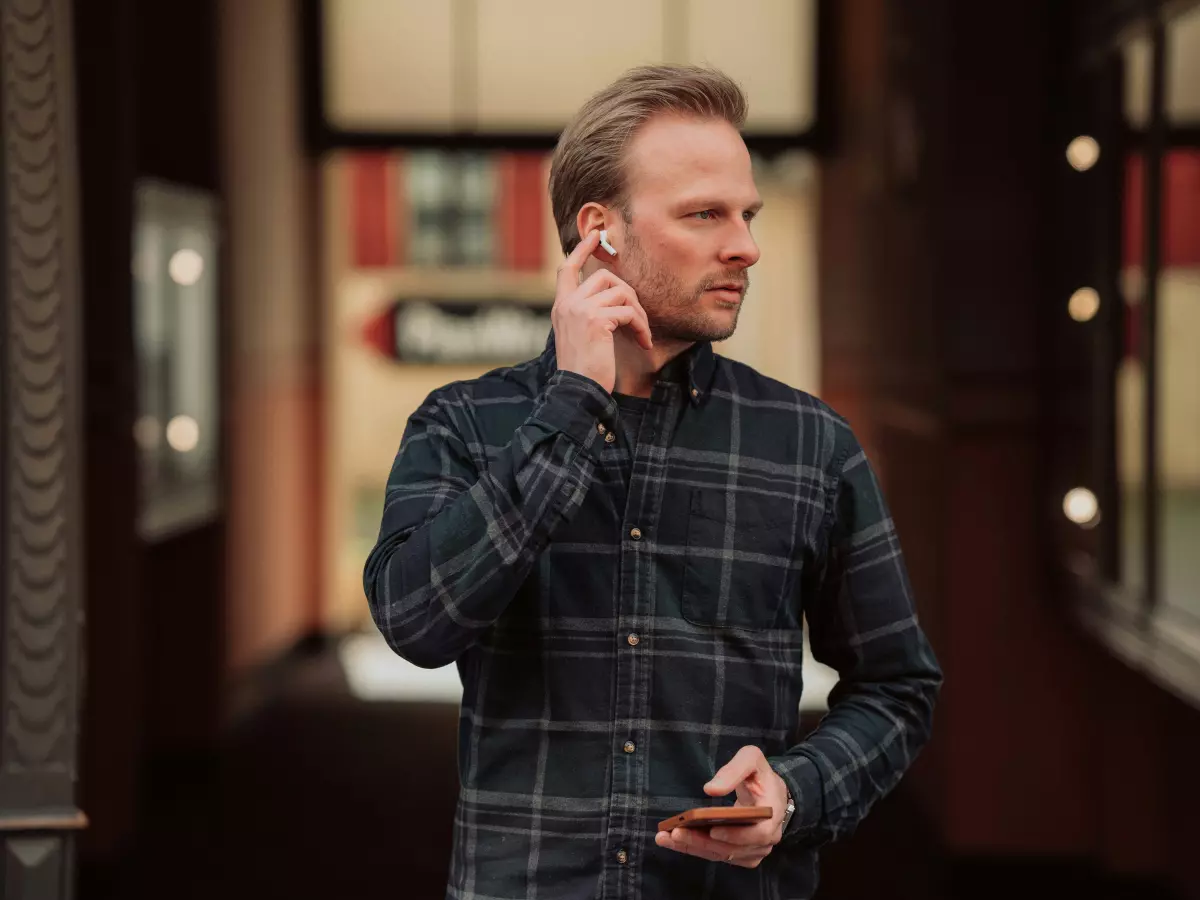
(704, 816)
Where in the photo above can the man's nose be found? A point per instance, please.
(741, 249)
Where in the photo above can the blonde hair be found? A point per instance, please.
(588, 163)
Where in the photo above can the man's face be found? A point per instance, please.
(687, 245)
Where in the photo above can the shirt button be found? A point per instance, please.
(635, 533)
(630, 746)
(634, 640)
(609, 438)
(622, 857)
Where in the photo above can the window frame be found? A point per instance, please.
(1081, 372)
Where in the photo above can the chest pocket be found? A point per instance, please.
(738, 577)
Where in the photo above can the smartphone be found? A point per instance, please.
(704, 816)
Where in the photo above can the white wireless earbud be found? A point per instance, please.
(605, 244)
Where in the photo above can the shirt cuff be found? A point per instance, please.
(803, 780)
(576, 406)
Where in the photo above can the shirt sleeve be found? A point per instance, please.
(458, 537)
(862, 623)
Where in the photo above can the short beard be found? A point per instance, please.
(674, 311)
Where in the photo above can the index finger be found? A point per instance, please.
(571, 268)
(744, 763)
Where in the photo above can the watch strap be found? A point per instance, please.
(787, 814)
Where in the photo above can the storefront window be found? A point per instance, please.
(1130, 393)
(1137, 358)
(1178, 362)
(175, 321)
(1178, 385)
(449, 207)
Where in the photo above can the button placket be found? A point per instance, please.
(641, 506)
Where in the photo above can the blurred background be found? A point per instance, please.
(245, 238)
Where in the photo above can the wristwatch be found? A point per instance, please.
(787, 813)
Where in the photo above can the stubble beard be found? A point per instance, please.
(674, 311)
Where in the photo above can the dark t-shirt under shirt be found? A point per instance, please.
(631, 412)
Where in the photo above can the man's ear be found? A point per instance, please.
(595, 217)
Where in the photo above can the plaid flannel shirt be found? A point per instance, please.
(624, 619)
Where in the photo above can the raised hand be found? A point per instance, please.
(586, 315)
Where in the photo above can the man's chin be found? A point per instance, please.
(696, 332)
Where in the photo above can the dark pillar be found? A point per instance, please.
(40, 484)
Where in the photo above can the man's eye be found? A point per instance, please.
(706, 214)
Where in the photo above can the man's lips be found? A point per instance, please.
(729, 292)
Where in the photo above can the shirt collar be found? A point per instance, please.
(694, 368)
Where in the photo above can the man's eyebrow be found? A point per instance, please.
(701, 203)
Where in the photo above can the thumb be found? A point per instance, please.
(729, 776)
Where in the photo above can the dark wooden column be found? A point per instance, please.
(934, 245)
(40, 560)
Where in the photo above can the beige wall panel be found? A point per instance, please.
(1183, 69)
(389, 62)
(769, 46)
(272, 400)
(778, 329)
(540, 59)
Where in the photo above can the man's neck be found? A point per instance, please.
(637, 368)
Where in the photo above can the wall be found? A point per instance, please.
(176, 130)
(146, 83)
(481, 65)
(272, 589)
(879, 335)
(111, 730)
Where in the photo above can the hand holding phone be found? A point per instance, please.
(750, 840)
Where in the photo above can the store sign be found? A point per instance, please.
(455, 332)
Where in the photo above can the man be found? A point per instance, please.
(619, 543)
